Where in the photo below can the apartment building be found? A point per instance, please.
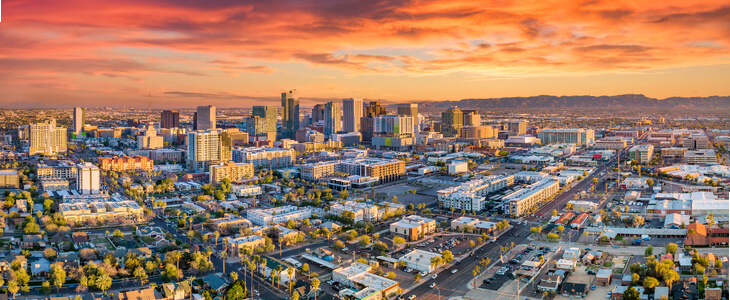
(413, 227)
(9, 179)
(265, 156)
(246, 190)
(278, 215)
(641, 153)
(46, 138)
(231, 170)
(206, 148)
(700, 157)
(314, 171)
(479, 132)
(236, 245)
(470, 195)
(364, 284)
(384, 170)
(611, 143)
(696, 142)
(578, 136)
(363, 212)
(81, 211)
(88, 180)
(522, 201)
(61, 170)
(126, 163)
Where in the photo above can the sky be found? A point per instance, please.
(234, 53)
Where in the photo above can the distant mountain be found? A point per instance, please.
(611, 102)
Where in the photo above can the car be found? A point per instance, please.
(458, 262)
(432, 285)
(408, 270)
(424, 273)
(593, 287)
(256, 292)
(385, 274)
(412, 297)
(345, 249)
(454, 271)
(434, 276)
(615, 247)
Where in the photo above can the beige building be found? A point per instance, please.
(318, 170)
(79, 212)
(696, 142)
(231, 170)
(150, 139)
(524, 200)
(413, 227)
(9, 179)
(236, 246)
(611, 143)
(383, 169)
(673, 152)
(363, 211)
(478, 132)
(265, 156)
(700, 157)
(47, 139)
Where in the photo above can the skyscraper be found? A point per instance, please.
(410, 110)
(318, 113)
(169, 119)
(47, 139)
(373, 109)
(351, 112)
(88, 179)
(268, 114)
(452, 121)
(79, 119)
(206, 148)
(289, 113)
(471, 118)
(393, 132)
(332, 118)
(205, 119)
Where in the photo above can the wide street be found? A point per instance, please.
(452, 285)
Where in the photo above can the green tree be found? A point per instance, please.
(649, 251)
(315, 287)
(447, 256)
(46, 288)
(631, 294)
(104, 282)
(650, 282)
(58, 274)
(118, 234)
(236, 292)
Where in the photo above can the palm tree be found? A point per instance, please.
(290, 272)
(177, 255)
(217, 235)
(278, 278)
(315, 286)
(223, 257)
(104, 282)
(281, 239)
(273, 277)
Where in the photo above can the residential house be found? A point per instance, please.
(573, 289)
(663, 291)
(153, 232)
(40, 268)
(603, 276)
(80, 239)
(31, 240)
(565, 264)
(176, 291)
(712, 294)
(685, 291)
(142, 294)
(215, 282)
(549, 283)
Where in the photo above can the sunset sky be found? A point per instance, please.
(234, 53)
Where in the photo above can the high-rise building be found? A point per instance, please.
(205, 118)
(332, 118)
(373, 109)
(150, 139)
(472, 118)
(266, 126)
(408, 110)
(317, 113)
(206, 148)
(393, 132)
(452, 121)
(169, 119)
(517, 127)
(351, 112)
(79, 119)
(289, 113)
(88, 179)
(366, 128)
(47, 139)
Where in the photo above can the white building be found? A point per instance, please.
(458, 167)
(578, 136)
(246, 190)
(362, 283)
(700, 157)
(419, 260)
(471, 195)
(150, 139)
(47, 139)
(265, 156)
(530, 177)
(524, 200)
(278, 215)
(88, 178)
(363, 211)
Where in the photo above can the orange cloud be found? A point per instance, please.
(55, 44)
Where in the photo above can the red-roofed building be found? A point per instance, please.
(579, 221)
(565, 219)
(700, 235)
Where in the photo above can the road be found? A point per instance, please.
(561, 200)
(453, 285)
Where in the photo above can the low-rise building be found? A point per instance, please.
(9, 179)
(314, 171)
(458, 167)
(246, 190)
(413, 227)
(700, 157)
(470, 195)
(126, 163)
(79, 212)
(362, 284)
(236, 246)
(231, 170)
(472, 225)
(278, 215)
(642, 153)
(525, 200)
(363, 211)
(603, 276)
(230, 221)
(419, 260)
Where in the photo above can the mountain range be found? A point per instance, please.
(578, 102)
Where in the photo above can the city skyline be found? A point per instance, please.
(184, 54)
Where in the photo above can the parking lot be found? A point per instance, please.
(503, 271)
